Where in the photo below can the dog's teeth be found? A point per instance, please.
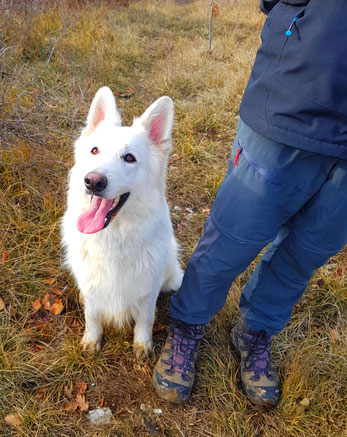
(115, 202)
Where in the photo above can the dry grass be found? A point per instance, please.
(53, 57)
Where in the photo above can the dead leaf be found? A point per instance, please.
(102, 401)
(67, 407)
(215, 10)
(81, 403)
(179, 228)
(50, 281)
(36, 304)
(57, 291)
(81, 387)
(4, 256)
(37, 347)
(206, 210)
(40, 393)
(334, 335)
(14, 420)
(46, 303)
(2, 304)
(320, 283)
(57, 307)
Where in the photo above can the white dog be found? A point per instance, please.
(117, 230)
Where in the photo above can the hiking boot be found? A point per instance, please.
(259, 378)
(174, 372)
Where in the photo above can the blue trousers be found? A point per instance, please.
(271, 193)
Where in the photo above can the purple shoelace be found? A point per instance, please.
(186, 339)
(257, 344)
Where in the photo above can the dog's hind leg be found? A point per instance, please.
(91, 340)
(144, 319)
(173, 277)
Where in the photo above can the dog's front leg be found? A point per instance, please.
(144, 319)
(91, 340)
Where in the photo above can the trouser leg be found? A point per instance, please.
(318, 232)
(258, 196)
(209, 275)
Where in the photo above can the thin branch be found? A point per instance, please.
(210, 30)
(51, 53)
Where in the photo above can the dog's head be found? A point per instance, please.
(118, 167)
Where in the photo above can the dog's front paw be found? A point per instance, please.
(142, 349)
(89, 344)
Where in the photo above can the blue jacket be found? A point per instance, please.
(297, 91)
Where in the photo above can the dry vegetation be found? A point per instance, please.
(53, 57)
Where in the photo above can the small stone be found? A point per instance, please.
(177, 208)
(100, 416)
(157, 411)
(305, 402)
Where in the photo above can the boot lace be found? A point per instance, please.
(185, 341)
(258, 359)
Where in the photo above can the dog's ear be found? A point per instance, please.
(103, 107)
(158, 121)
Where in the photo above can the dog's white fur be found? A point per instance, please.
(121, 269)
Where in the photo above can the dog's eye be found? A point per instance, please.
(94, 151)
(129, 158)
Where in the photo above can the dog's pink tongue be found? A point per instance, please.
(93, 219)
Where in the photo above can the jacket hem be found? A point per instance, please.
(290, 138)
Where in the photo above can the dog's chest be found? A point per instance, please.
(119, 266)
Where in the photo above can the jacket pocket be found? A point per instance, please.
(310, 60)
(291, 33)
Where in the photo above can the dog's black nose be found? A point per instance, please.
(95, 182)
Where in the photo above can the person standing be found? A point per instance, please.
(286, 185)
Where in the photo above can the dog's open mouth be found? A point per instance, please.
(100, 213)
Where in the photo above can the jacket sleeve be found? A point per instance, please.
(267, 5)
